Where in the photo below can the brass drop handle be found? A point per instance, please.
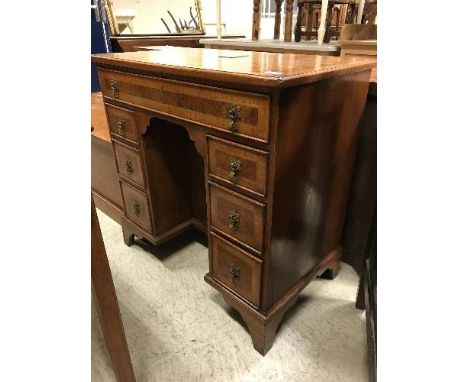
(121, 127)
(234, 272)
(234, 219)
(235, 167)
(233, 115)
(136, 208)
(114, 85)
(129, 167)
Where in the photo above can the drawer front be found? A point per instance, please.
(136, 206)
(244, 114)
(129, 163)
(236, 269)
(122, 124)
(237, 216)
(238, 164)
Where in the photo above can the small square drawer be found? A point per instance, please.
(237, 216)
(129, 163)
(236, 269)
(239, 165)
(136, 206)
(122, 124)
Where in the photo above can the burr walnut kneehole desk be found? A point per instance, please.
(254, 148)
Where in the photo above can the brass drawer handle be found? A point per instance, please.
(129, 167)
(136, 208)
(114, 85)
(235, 167)
(233, 115)
(121, 127)
(234, 272)
(234, 219)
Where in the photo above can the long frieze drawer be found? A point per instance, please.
(236, 269)
(136, 206)
(237, 216)
(245, 114)
(129, 163)
(237, 164)
(122, 123)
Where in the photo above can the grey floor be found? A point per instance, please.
(180, 329)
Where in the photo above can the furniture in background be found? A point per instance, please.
(274, 46)
(335, 13)
(177, 17)
(108, 306)
(228, 143)
(104, 177)
(338, 13)
(369, 13)
(134, 43)
(288, 9)
(359, 40)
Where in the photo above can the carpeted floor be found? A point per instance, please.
(180, 329)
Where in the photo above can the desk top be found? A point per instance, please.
(269, 70)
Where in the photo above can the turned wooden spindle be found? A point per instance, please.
(279, 4)
(256, 20)
(288, 21)
(297, 31)
(310, 19)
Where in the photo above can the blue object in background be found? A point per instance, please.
(100, 40)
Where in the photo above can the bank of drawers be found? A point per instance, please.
(237, 173)
(130, 166)
(237, 220)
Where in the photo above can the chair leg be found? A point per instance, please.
(297, 31)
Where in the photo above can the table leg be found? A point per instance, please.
(256, 20)
(288, 21)
(297, 31)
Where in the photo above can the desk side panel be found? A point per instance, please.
(316, 145)
(104, 177)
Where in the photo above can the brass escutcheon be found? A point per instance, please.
(136, 208)
(129, 167)
(121, 127)
(234, 219)
(233, 115)
(235, 167)
(234, 272)
(114, 85)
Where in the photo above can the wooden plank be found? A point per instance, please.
(108, 306)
